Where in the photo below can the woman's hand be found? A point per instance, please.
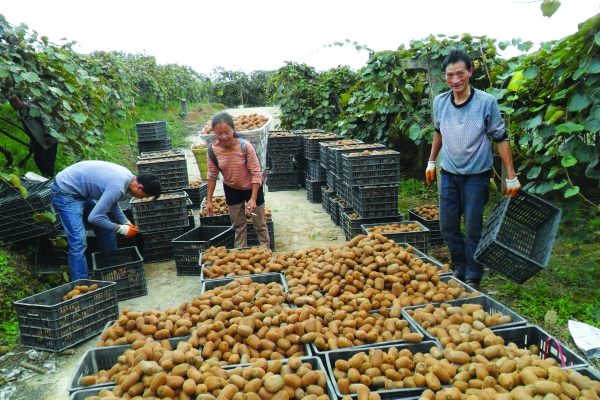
(250, 206)
(209, 207)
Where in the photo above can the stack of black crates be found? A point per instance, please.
(316, 174)
(152, 136)
(172, 214)
(282, 147)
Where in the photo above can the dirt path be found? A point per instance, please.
(298, 225)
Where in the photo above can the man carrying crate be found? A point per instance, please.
(89, 190)
(465, 120)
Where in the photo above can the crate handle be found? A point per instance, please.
(32, 315)
(558, 346)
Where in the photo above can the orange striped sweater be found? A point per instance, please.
(238, 170)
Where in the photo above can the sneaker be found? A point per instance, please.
(473, 284)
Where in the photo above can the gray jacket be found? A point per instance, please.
(36, 127)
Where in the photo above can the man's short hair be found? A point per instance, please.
(456, 56)
(151, 184)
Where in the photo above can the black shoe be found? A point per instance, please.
(473, 284)
(458, 276)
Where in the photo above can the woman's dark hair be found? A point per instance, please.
(151, 184)
(225, 118)
(16, 93)
(456, 56)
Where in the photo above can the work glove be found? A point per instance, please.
(512, 187)
(430, 173)
(128, 231)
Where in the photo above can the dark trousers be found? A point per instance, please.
(45, 158)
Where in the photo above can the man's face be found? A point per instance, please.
(15, 102)
(457, 76)
(138, 191)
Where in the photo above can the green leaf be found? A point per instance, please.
(578, 102)
(560, 185)
(571, 192)
(414, 132)
(597, 38)
(535, 122)
(593, 66)
(79, 118)
(60, 242)
(45, 216)
(576, 252)
(569, 127)
(30, 77)
(534, 172)
(568, 161)
(4, 73)
(553, 172)
(23, 191)
(589, 266)
(585, 153)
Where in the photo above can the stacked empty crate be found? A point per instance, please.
(171, 169)
(16, 221)
(160, 221)
(152, 136)
(369, 181)
(317, 175)
(282, 147)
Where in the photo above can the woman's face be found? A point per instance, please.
(223, 132)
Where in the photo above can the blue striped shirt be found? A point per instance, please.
(466, 131)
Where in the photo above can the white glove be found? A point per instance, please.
(512, 187)
(430, 172)
(123, 229)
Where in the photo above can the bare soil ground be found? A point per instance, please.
(298, 225)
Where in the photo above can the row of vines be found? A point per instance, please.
(85, 94)
(550, 100)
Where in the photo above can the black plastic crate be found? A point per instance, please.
(376, 210)
(311, 144)
(283, 145)
(335, 154)
(313, 190)
(489, 305)
(16, 214)
(417, 239)
(371, 194)
(518, 236)
(266, 278)
(49, 259)
(187, 247)
(352, 226)
(281, 163)
(252, 237)
(525, 336)
(162, 214)
(371, 169)
(345, 192)
(196, 194)
(48, 322)
(124, 266)
(216, 220)
(101, 358)
(333, 208)
(332, 180)
(345, 354)
(280, 182)
(151, 130)
(435, 236)
(316, 171)
(325, 146)
(326, 193)
(172, 171)
(158, 246)
(161, 154)
(155, 145)
(590, 373)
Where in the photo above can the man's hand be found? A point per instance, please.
(128, 231)
(512, 187)
(430, 173)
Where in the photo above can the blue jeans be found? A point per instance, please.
(73, 211)
(463, 195)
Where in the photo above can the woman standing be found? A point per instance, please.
(242, 180)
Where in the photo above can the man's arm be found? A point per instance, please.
(435, 146)
(506, 157)
(109, 198)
